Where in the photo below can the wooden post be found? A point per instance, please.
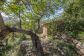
(45, 30)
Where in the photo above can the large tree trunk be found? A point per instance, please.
(35, 39)
(5, 30)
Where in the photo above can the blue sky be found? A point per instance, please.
(57, 14)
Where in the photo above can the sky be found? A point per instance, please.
(57, 14)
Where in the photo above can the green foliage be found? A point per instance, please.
(30, 11)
